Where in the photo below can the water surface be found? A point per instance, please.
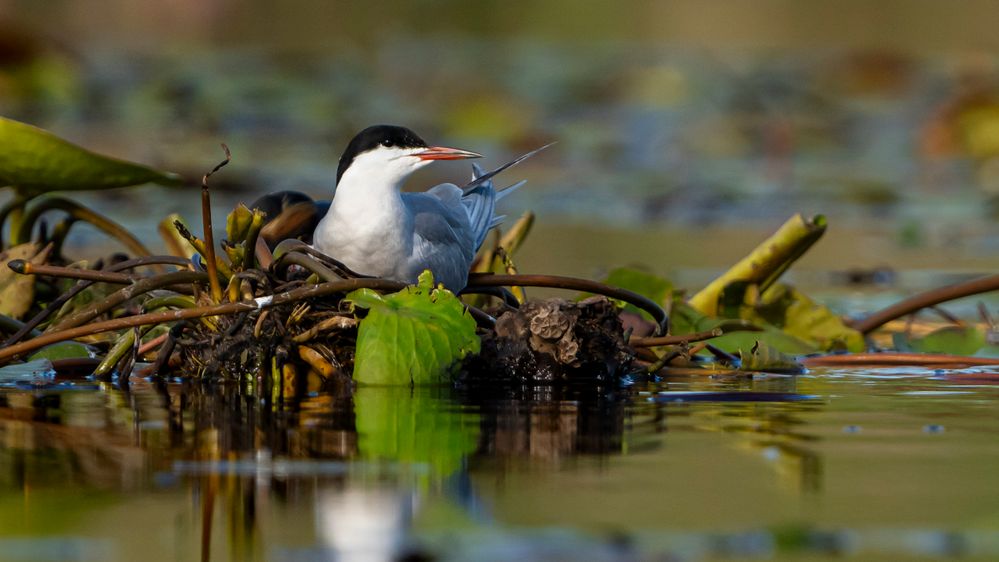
(869, 465)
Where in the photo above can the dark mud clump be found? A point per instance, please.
(552, 341)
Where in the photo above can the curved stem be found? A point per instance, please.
(558, 282)
(300, 259)
(922, 300)
(14, 210)
(81, 213)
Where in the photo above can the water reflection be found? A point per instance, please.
(390, 472)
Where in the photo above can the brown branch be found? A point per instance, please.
(126, 293)
(27, 268)
(676, 340)
(896, 359)
(922, 300)
(206, 221)
(82, 285)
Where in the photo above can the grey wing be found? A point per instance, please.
(443, 238)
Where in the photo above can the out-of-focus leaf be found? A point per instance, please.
(412, 426)
(63, 350)
(732, 342)
(800, 316)
(641, 282)
(92, 294)
(34, 161)
(767, 262)
(955, 340)
(17, 291)
(762, 357)
(414, 336)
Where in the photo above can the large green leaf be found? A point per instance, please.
(414, 336)
(34, 161)
(413, 426)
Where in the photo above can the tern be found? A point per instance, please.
(375, 229)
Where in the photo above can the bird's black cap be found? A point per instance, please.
(375, 136)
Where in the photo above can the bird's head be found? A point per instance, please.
(392, 152)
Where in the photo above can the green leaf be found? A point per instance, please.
(772, 337)
(762, 357)
(956, 340)
(34, 161)
(792, 312)
(641, 282)
(413, 426)
(414, 336)
(63, 350)
(800, 316)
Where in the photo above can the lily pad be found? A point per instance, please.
(33, 161)
(956, 340)
(63, 350)
(414, 336)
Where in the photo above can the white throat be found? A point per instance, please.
(367, 222)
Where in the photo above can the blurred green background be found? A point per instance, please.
(686, 130)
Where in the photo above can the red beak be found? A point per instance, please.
(445, 153)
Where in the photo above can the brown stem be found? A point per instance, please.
(572, 283)
(895, 359)
(27, 268)
(922, 300)
(82, 285)
(676, 340)
(206, 221)
(126, 293)
(82, 213)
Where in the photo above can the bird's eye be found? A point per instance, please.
(387, 143)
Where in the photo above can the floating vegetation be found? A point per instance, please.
(287, 321)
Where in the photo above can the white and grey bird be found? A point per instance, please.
(375, 229)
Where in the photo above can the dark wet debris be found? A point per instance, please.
(553, 341)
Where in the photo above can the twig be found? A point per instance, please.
(895, 359)
(126, 293)
(932, 297)
(676, 340)
(27, 268)
(206, 220)
(81, 286)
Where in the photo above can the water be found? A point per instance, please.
(866, 465)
